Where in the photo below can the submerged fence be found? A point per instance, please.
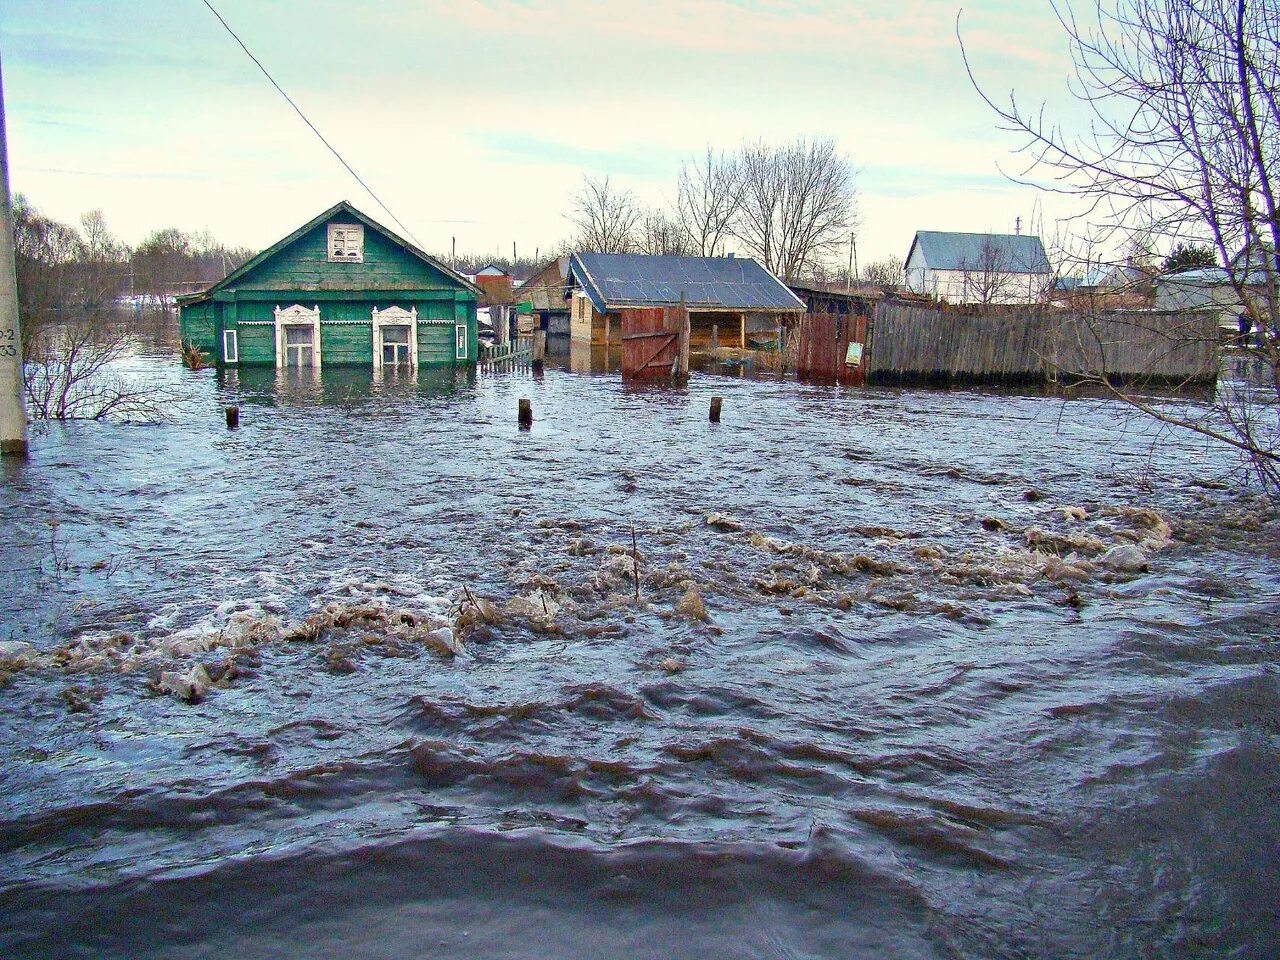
(912, 343)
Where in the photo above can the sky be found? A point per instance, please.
(477, 119)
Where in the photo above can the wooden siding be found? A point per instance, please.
(304, 265)
(346, 293)
(200, 326)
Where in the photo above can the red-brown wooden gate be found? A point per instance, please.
(655, 342)
(824, 349)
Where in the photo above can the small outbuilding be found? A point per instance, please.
(978, 267)
(543, 294)
(734, 296)
(340, 290)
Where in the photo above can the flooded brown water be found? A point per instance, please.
(886, 691)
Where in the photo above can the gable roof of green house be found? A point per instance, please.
(246, 269)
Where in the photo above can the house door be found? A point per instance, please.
(299, 346)
(395, 346)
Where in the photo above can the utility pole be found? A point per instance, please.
(848, 275)
(453, 256)
(1017, 227)
(13, 415)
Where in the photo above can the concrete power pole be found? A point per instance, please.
(13, 415)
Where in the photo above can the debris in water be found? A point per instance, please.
(1125, 558)
(691, 605)
(190, 686)
(721, 522)
(992, 523)
(1153, 531)
(444, 641)
(1059, 543)
(81, 699)
(16, 654)
(1074, 513)
(1031, 496)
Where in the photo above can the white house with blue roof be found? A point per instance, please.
(978, 267)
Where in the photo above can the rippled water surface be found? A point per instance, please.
(880, 695)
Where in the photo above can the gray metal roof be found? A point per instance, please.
(617, 280)
(971, 251)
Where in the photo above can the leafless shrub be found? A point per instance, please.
(70, 374)
(193, 358)
(886, 273)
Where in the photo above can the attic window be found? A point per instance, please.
(346, 243)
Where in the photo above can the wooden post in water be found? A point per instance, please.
(233, 417)
(538, 349)
(715, 409)
(715, 341)
(525, 415)
(13, 413)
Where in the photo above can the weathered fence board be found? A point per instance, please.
(655, 342)
(823, 349)
(911, 342)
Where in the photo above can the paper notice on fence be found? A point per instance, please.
(854, 357)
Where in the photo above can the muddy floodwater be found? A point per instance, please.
(910, 674)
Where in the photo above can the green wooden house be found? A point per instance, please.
(340, 290)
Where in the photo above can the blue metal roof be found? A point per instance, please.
(618, 280)
(970, 251)
(1213, 276)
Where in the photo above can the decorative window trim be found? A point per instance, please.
(345, 243)
(394, 317)
(297, 315)
(230, 347)
(460, 341)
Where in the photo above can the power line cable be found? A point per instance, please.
(298, 111)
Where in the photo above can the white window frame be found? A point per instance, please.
(230, 346)
(460, 341)
(395, 317)
(297, 315)
(345, 243)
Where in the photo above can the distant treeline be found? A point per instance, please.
(85, 267)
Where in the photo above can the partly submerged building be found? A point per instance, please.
(543, 296)
(340, 290)
(735, 295)
(978, 267)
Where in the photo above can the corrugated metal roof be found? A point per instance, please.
(614, 280)
(1213, 276)
(970, 251)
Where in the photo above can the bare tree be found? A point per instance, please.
(885, 273)
(46, 254)
(104, 263)
(796, 204)
(1184, 138)
(995, 278)
(604, 217)
(708, 197)
(659, 234)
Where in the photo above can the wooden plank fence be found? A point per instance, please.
(914, 343)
